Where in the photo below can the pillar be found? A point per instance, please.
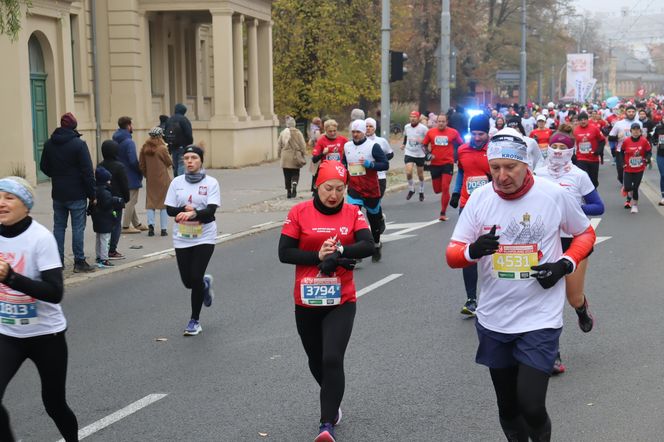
(238, 66)
(266, 97)
(222, 45)
(252, 43)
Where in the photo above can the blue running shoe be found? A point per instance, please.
(193, 328)
(208, 293)
(469, 307)
(325, 433)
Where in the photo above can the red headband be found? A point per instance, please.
(331, 170)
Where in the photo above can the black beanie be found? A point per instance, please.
(194, 149)
(480, 123)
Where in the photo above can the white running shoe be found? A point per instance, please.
(635, 209)
(661, 202)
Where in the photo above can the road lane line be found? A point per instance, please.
(263, 224)
(120, 414)
(421, 226)
(379, 283)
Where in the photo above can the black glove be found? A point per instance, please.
(428, 157)
(347, 263)
(550, 273)
(486, 244)
(454, 201)
(329, 265)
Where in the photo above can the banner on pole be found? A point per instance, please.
(579, 76)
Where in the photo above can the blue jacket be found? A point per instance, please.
(66, 160)
(127, 156)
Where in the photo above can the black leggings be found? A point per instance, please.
(592, 169)
(192, 263)
(325, 332)
(631, 183)
(521, 394)
(291, 176)
(49, 353)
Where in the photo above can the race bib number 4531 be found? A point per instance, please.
(513, 261)
(320, 292)
(18, 310)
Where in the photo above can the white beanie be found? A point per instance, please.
(359, 125)
(370, 122)
(509, 144)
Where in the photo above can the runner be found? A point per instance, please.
(323, 237)
(441, 142)
(511, 228)
(328, 147)
(590, 142)
(560, 170)
(192, 199)
(387, 150)
(658, 140)
(473, 172)
(414, 133)
(636, 152)
(32, 324)
(620, 132)
(364, 158)
(534, 153)
(541, 135)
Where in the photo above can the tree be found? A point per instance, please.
(327, 55)
(10, 17)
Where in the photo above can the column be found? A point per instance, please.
(265, 72)
(238, 66)
(222, 50)
(252, 43)
(200, 113)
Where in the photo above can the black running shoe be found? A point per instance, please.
(377, 254)
(586, 320)
(410, 194)
(421, 196)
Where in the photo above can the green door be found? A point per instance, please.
(39, 108)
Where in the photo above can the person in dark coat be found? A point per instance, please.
(119, 188)
(162, 121)
(103, 215)
(178, 135)
(66, 160)
(127, 155)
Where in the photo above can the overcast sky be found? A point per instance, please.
(614, 6)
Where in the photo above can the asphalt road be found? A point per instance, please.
(410, 367)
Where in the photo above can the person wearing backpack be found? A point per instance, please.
(178, 135)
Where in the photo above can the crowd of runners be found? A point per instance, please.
(526, 184)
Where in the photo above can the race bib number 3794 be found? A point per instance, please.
(320, 292)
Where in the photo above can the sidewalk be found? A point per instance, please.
(253, 199)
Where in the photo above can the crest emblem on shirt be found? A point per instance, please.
(525, 231)
(343, 230)
(202, 190)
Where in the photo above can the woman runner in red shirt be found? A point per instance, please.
(323, 237)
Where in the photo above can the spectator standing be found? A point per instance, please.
(119, 188)
(154, 163)
(178, 135)
(103, 215)
(66, 160)
(292, 151)
(163, 119)
(127, 156)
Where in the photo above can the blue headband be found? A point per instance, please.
(10, 186)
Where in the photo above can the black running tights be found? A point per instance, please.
(192, 263)
(521, 394)
(325, 332)
(49, 353)
(631, 183)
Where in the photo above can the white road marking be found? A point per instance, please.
(652, 194)
(161, 252)
(394, 237)
(223, 235)
(402, 229)
(263, 224)
(379, 283)
(595, 222)
(120, 414)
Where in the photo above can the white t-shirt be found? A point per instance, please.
(534, 221)
(198, 195)
(387, 149)
(528, 124)
(414, 137)
(29, 254)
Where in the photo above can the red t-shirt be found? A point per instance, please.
(599, 123)
(442, 144)
(634, 154)
(476, 170)
(542, 137)
(587, 139)
(311, 227)
(336, 147)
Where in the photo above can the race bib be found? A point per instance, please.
(585, 147)
(475, 182)
(441, 140)
(356, 169)
(189, 229)
(636, 162)
(320, 291)
(18, 310)
(660, 140)
(513, 261)
(334, 156)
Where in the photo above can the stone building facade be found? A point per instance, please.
(214, 56)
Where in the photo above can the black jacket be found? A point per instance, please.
(103, 218)
(186, 136)
(66, 160)
(119, 183)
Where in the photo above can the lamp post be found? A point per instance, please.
(523, 93)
